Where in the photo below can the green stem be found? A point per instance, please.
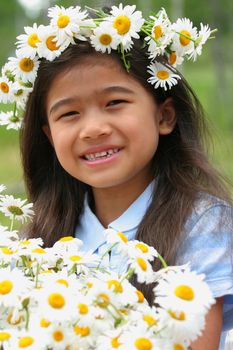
(186, 36)
(107, 251)
(128, 275)
(127, 66)
(163, 262)
(12, 223)
(27, 318)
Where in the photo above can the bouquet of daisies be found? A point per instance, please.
(62, 298)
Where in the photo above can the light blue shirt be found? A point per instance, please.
(207, 244)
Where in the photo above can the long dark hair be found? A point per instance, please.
(180, 166)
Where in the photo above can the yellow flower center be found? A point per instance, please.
(115, 343)
(103, 300)
(51, 44)
(25, 342)
(15, 321)
(4, 87)
(178, 347)
(25, 242)
(179, 316)
(13, 209)
(38, 250)
(115, 285)
(83, 331)
(44, 323)
(26, 65)
(122, 237)
(105, 39)
(56, 300)
(149, 320)
(184, 292)
(6, 250)
(4, 336)
(58, 335)
(75, 258)
(162, 74)
(142, 247)
(142, 263)
(33, 40)
(143, 344)
(83, 309)
(158, 32)
(172, 58)
(89, 285)
(64, 282)
(63, 21)
(6, 287)
(184, 37)
(140, 296)
(122, 24)
(66, 239)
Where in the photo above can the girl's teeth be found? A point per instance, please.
(104, 154)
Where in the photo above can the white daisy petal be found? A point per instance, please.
(162, 76)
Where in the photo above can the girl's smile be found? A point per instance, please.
(103, 124)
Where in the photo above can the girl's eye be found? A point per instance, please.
(69, 114)
(115, 102)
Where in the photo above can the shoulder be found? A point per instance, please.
(207, 243)
(210, 213)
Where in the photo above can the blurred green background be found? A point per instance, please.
(211, 76)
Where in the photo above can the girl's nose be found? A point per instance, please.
(95, 127)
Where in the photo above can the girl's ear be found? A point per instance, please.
(47, 132)
(167, 120)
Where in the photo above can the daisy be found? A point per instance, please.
(138, 338)
(27, 43)
(55, 302)
(186, 290)
(184, 36)
(21, 94)
(67, 244)
(127, 22)
(162, 76)
(80, 261)
(66, 23)
(24, 68)
(12, 286)
(58, 336)
(174, 59)
(11, 120)
(161, 34)
(7, 255)
(143, 269)
(6, 90)
(117, 238)
(16, 208)
(202, 37)
(29, 340)
(6, 236)
(105, 38)
(48, 47)
(109, 341)
(137, 248)
(5, 337)
(179, 325)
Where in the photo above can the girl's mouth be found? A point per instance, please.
(100, 155)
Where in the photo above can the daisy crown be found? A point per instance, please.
(116, 31)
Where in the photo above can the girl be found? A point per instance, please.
(104, 145)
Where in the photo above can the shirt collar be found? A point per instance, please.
(91, 231)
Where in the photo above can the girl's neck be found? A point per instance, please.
(110, 203)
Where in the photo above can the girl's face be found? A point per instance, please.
(104, 125)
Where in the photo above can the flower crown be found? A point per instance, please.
(106, 32)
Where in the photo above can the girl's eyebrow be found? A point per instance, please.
(108, 89)
(62, 102)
